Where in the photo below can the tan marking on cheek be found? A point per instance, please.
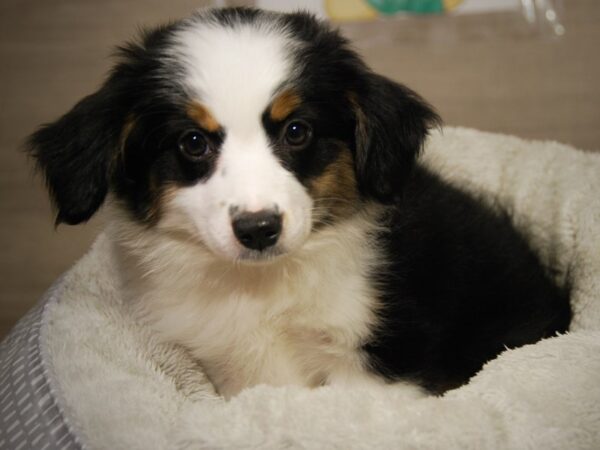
(157, 199)
(284, 104)
(335, 191)
(167, 194)
(203, 117)
(161, 197)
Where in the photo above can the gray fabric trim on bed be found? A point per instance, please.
(29, 415)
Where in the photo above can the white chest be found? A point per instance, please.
(301, 320)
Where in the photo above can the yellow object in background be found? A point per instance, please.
(349, 10)
(451, 4)
(360, 10)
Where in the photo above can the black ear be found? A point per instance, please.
(392, 123)
(75, 153)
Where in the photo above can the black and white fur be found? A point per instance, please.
(372, 269)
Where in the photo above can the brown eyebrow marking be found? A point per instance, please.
(284, 104)
(203, 117)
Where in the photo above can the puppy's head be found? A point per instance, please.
(244, 129)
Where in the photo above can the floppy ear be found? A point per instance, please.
(392, 123)
(75, 154)
(78, 153)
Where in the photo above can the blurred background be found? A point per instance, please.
(524, 67)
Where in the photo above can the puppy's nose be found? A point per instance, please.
(257, 230)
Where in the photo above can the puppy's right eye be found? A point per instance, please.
(194, 145)
(298, 134)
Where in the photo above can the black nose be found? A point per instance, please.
(257, 230)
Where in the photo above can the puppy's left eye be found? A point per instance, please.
(298, 133)
(194, 145)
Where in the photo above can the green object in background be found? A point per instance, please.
(389, 7)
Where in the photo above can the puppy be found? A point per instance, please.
(269, 213)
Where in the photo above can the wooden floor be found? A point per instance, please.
(483, 72)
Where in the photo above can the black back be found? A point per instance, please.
(462, 286)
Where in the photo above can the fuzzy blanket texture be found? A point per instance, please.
(120, 389)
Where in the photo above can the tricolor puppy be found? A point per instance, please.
(270, 216)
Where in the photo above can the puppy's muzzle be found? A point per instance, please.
(257, 230)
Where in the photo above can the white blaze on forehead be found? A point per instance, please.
(234, 70)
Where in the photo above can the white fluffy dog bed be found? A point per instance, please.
(77, 372)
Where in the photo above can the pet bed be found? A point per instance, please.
(77, 372)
